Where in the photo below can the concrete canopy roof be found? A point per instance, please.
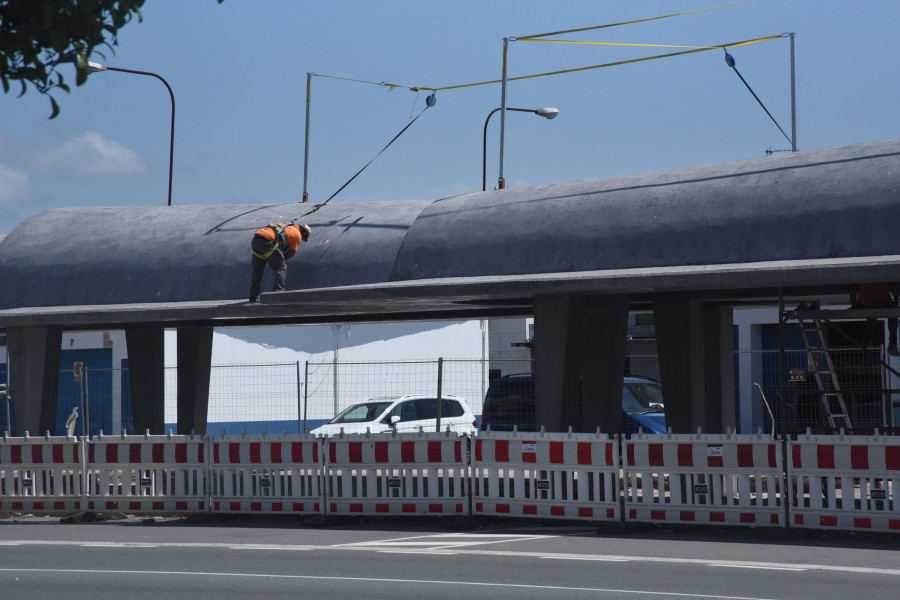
(810, 222)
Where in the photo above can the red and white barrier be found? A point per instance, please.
(274, 474)
(833, 482)
(546, 475)
(845, 482)
(40, 475)
(708, 479)
(147, 474)
(397, 473)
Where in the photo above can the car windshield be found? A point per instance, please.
(360, 413)
(642, 397)
(513, 397)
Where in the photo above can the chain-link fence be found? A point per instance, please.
(252, 398)
(298, 397)
(865, 383)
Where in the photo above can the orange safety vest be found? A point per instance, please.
(282, 236)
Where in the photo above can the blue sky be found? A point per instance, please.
(238, 71)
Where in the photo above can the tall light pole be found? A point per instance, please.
(547, 113)
(306, 139)
(93, 67)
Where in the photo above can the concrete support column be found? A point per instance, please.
(579, 355)
(717, 411)
(34, 352)
(146, 370)
(194, 362)
(605, 329)
(554, 401)
(696, 360)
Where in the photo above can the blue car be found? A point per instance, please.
(510, 402)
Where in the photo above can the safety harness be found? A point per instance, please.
(280, 241)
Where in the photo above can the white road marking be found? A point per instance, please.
(429, 552)
(384, 545)
(117, 545)
(369, 580)
(442, 541)
(579, 558)
(758, 567)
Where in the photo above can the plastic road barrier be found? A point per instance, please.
(709, 479)
(280, 474)
(40, 475)
(397, 473)
(149, 474)
(844, 482)
(546, 475)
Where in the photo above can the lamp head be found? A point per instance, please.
(95, 67)
(547, 113)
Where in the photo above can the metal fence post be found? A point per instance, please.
(440, 378)
(87, 401)
(305, 392)
(4, 392)
(299, 401)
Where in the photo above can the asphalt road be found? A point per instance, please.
(289, 558)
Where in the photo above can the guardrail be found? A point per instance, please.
(827, 482)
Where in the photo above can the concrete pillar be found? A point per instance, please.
(579, 353)
(34, 352)
(551, 329)
(146, 370)
(194, 362)
(604, 328)
(716, 409)
(696, 360)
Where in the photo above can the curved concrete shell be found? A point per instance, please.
(833, 203)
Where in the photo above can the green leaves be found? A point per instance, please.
(38, 37)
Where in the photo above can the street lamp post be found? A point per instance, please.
(547, 113)
(93, 67)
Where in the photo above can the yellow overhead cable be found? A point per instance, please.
(692, 49)
(621, 62)
(620, 44)
(537, 35)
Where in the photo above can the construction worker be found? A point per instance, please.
(274, 244)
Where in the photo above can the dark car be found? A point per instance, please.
(510, 402)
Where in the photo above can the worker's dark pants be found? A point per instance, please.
(261, 245)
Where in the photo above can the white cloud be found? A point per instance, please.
(93, 155)
(13, 185)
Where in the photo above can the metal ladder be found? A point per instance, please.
(816, 351)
